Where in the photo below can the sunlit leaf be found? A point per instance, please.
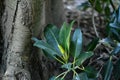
(64, 36)
(61, 49)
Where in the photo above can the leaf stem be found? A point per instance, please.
(80, 68)
(74, 62)
(59, 60)
(66, 57)
(74, 72)
(64, 73)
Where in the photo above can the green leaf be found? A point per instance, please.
(67, 66)
(45, 46)
(91, 72)
(50, 34)
(64, 36)
(116, 70)
(76, 43)
(82, 57)
(92, 45)
(107, 70)
(81, 76)
(54, 30)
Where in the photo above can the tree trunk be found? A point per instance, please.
(21, 20)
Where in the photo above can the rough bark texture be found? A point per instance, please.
(21, 20)
(17, 22)
(55, 12)
(1, 39)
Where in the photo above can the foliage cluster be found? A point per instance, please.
(65, 46)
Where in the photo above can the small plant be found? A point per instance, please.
(61, 45)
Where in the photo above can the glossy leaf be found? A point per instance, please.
(107, 70)
(76, 43)
(51, 33)
(64, 35)
(81, 76)
(82, 57)
(91, 72)
(92, 45)
(67, 66)
(45, 46)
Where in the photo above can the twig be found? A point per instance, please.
(93, 20)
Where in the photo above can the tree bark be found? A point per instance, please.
(21, 20)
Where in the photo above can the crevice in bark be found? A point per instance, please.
(14, 17)
(1, 36)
